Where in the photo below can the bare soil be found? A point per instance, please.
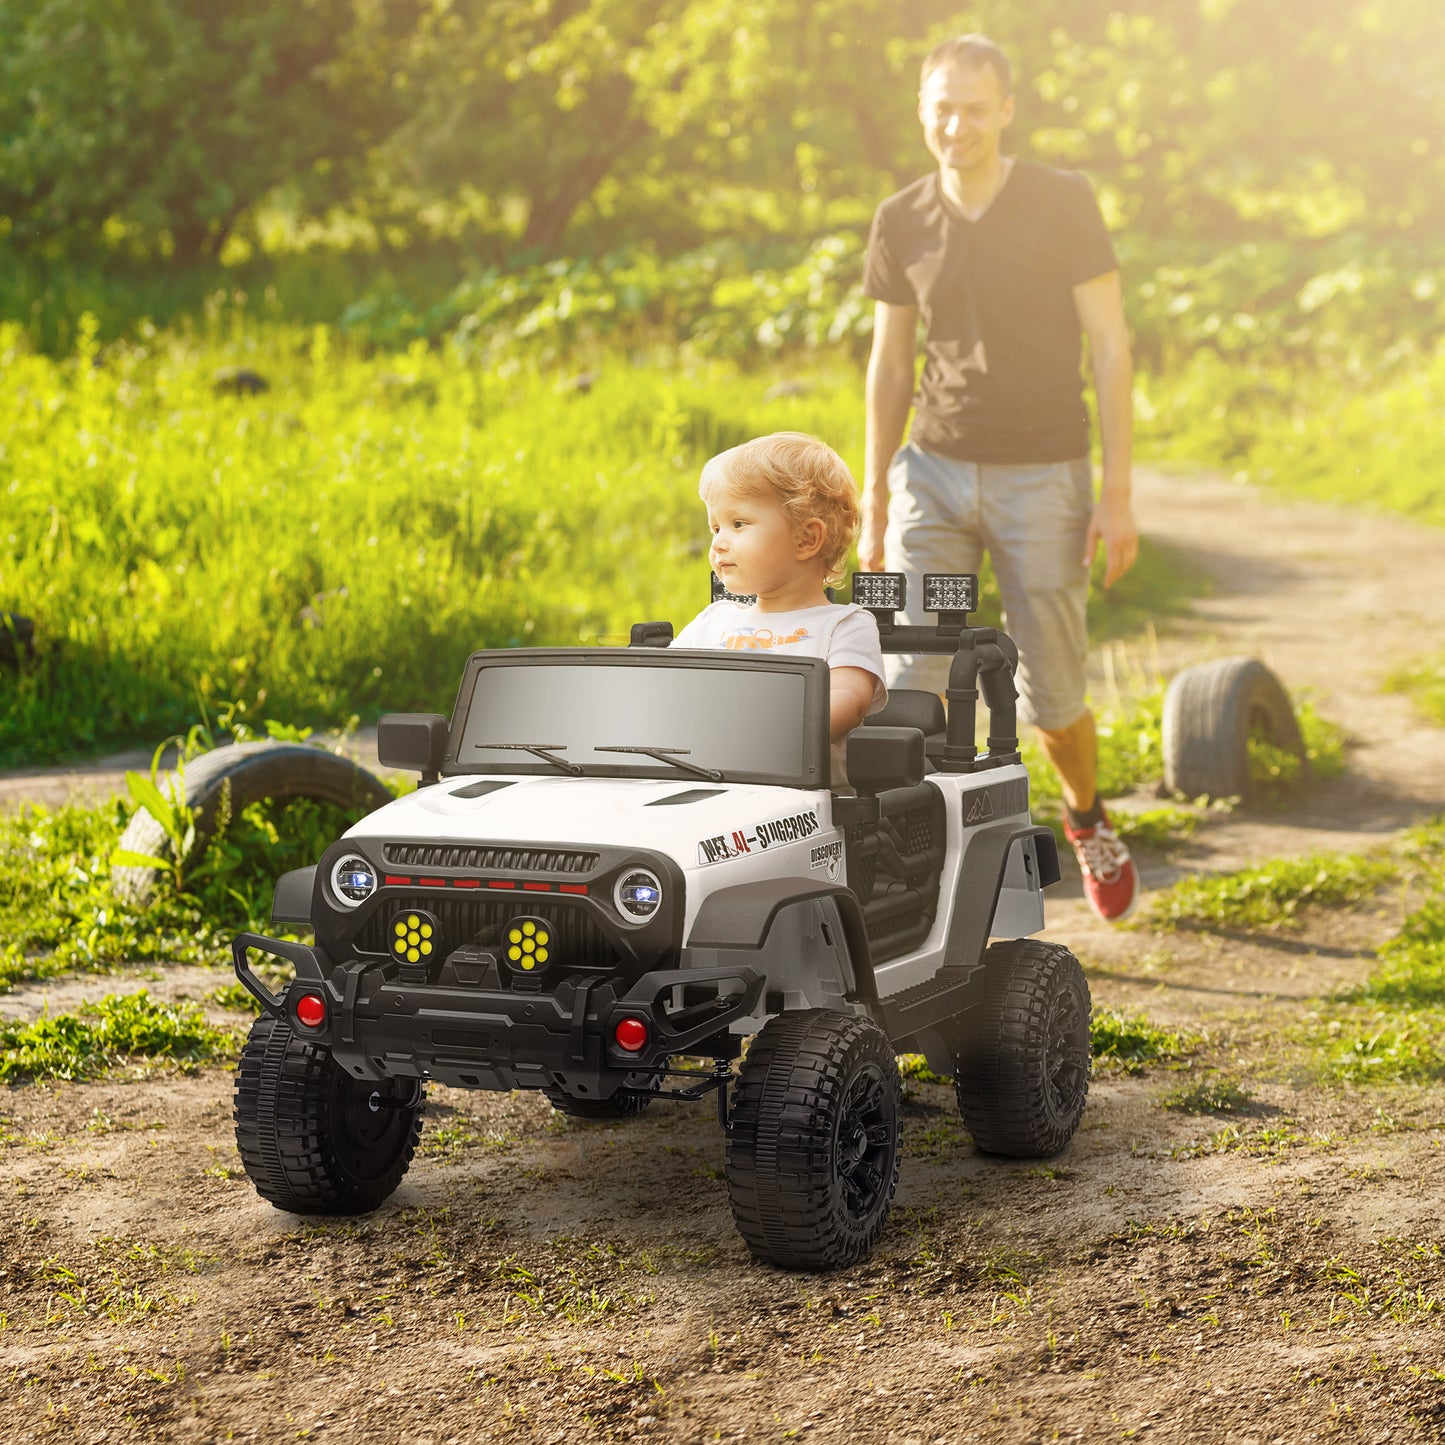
(1270, 1274)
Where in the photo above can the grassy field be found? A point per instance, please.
(337, 544)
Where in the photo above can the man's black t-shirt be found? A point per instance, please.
(1001, 376)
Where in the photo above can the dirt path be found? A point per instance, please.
(1273, 1274)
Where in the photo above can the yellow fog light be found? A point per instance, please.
(528, 943)
(414, 936)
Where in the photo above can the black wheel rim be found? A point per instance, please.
(866, 1141)
(369, 1125)
(1068, 1051)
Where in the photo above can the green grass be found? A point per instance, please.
(339, 544)
(1270, 895)
(1368, 438)
(102, 1036)
(59, 913)
(1424, 682)
(1213, 1094)
(1129, 1040)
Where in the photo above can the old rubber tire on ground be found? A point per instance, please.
(313, 1139)
(624, 1104)
(1210, 714)
(248, 772)
(813, 1143)
(1022, 1069)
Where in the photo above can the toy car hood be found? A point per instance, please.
(692, 820)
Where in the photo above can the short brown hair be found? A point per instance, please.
(971, 51)
(807, 477)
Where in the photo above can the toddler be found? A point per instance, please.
(783, 511)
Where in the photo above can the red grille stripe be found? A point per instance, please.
(466, 882)
(573, 887)
(537, 887)
(431, 882)
(393, 878)
(495, 884)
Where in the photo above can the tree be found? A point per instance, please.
(171, 118)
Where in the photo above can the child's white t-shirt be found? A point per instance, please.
(844, 634)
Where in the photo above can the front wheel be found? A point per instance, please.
(313, 1139)
(813, 1147)
(1022, 1070)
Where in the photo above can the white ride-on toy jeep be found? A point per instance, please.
(620, 858)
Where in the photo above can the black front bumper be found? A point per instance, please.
(379, 1027)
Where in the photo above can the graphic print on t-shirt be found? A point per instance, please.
(759, 639)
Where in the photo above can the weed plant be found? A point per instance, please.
(101, 1036)
(1213, 1094)
(60, 913)
(1270, 895)
(1129, 1040)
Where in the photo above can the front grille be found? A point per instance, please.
(577, 940)
(488, 860)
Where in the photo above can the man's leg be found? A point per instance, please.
(933, 526)
(1035, 520)
(1074, 753)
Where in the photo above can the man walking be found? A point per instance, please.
(1009, 265)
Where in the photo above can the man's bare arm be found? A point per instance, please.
(1100, 305)
(888, 394)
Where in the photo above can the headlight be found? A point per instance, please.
(638, 895)
(413, 936)
(353, 881)
(528, 943)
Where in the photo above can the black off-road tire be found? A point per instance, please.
(813, 1142)
(1022, 1069)
(622, 1105)
(1210, 714)
(311, 1137)
(249, 772)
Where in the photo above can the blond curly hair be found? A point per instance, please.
(808, 478)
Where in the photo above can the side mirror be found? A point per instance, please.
(416, 740)
(882, 758)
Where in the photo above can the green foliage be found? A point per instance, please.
(101, 1036)
(1131, 1040)
(1266, 423)
(1271, 894)
(59, 913)
(159, 124)
(341, 544)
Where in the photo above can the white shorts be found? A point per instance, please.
(1031, 519)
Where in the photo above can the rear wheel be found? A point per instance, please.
(812, 1150)
(313, 1139)
(1022, 1072)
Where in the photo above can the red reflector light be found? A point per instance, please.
(311, 1010)
(631, 1035)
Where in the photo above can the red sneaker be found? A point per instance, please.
(1111, 881)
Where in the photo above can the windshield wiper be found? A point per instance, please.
(668, 755)
(542, 750)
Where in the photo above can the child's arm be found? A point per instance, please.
(850, 691)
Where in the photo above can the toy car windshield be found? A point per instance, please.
(659, 714)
